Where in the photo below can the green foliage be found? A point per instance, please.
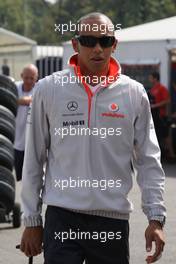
(36, 19)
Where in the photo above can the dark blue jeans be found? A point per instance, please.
(18, 163)
(71, 238)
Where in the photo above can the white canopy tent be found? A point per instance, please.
(162, 29)
(17, 50)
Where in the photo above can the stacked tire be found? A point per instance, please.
(8, 111)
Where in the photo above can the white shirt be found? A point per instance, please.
(21, 118)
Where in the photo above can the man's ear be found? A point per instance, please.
(114, 46)
(75, 45)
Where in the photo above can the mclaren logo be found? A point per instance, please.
(72, 106)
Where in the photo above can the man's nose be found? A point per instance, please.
(97, 48)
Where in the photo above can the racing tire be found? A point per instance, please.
(7, 83)
(9, 100)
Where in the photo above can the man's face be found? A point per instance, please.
(94, 59)
(151, 79)
(29, 78)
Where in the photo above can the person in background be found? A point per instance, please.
(173, 125)
(5, 68)
(174, 99)
(29, 77)
(159, 105)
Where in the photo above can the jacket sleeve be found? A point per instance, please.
(150, 175)
(37, 143)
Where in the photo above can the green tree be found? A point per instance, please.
(36, 19)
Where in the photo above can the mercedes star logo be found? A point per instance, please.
(72, 106)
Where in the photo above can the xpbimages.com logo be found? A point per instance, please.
(85, 235)
(74, 183)
(72, 79)
(74, 27)
(101, 132)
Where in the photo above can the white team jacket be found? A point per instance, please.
(77, 166)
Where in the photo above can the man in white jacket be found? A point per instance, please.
(90, 123)
(29, 77)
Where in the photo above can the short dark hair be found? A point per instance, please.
(156, 75)
(90, 15)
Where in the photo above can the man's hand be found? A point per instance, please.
(31, 242)
(154, 233)
(174, 115)
(25, 100)
(153, 106)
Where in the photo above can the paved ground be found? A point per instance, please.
(10, 237)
